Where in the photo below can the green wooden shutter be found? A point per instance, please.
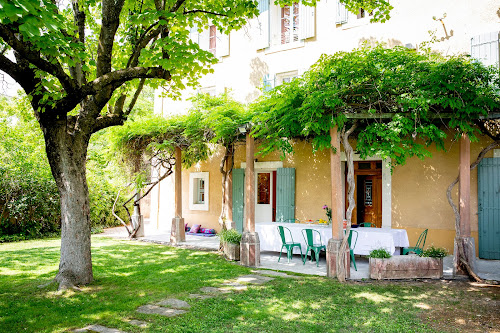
(488, 183)
(263, 24)
(238, 197)
(285, 194)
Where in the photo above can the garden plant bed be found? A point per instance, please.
(406, 267)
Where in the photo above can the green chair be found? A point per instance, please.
(419, 247)
(309, 236)
(288, 245)
(367, 224)
(351, 246)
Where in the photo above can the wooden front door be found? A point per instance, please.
(368, 192)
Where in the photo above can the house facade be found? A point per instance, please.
(282, 43)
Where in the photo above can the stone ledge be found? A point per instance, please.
(406, 267)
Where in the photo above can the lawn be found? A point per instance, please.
(130, 274)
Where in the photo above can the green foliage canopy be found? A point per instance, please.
(404, 101)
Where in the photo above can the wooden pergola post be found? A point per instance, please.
(177, 233)
(333, 246)
(250, 244)
(464, 238)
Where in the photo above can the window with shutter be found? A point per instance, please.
(342, 13)
(485, 48)
(289, 21)
(268, 82)
(212, 39)
(263, 24)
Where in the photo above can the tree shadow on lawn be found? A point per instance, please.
(127, 275)
(131, 274)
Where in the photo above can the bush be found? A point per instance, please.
(230, 236)
(434, 252)
(380, 253)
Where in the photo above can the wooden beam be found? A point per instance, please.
(178, 182)
(336, 181)
(249, 185)
(464, 189)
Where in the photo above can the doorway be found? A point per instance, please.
(265, 196)
(368, 192)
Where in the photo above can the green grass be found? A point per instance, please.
(130, 274)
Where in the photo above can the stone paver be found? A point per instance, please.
(274, 273)
(174, 303)
(254, 279)
(234, 286)
(213, 290)
(159, 310)
(200, 296)
(138, 323)
(98, 329)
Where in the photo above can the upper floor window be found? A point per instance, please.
(289, 23)
(212, 39)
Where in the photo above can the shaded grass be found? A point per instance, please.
(130, 274)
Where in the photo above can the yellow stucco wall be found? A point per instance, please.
(418, 190)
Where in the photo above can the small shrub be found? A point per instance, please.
(435, 252)
(230, 236)
(380, 253)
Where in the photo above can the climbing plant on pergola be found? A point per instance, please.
(150, 143)
(397, 102)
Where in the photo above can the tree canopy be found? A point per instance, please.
(403, 101)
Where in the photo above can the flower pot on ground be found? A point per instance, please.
(406, 267)
(231, 243)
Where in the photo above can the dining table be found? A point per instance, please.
(368, 238)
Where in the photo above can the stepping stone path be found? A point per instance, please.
(98, 329)
(254, 279)
(160, 310)
(273, 273)
(174, 303)
(138, 323)
(172, 307)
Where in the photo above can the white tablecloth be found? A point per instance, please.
(368, 238)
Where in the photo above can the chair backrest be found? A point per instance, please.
(309, 236)
(281, 231)
(366, 224)
(421, 239)
(349, 239)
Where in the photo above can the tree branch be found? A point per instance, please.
(136, 96)
(54, 67)
(110, 22)
(115, 80)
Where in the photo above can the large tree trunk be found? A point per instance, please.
(67, 156)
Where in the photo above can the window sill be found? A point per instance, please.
(285, 47)
(201, 207)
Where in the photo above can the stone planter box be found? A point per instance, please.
(406, 267)
(232, 251)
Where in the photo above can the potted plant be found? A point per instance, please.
(231, 243)
(427, 266)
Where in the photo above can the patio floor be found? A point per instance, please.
(486, 269)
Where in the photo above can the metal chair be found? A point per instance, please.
(351, 246)
(288, 245)
(367, 224)
(309, 236)
(419, 247)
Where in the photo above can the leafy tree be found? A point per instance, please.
(78, 62)
(222, 116)
(74, 61)
(396, 101)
